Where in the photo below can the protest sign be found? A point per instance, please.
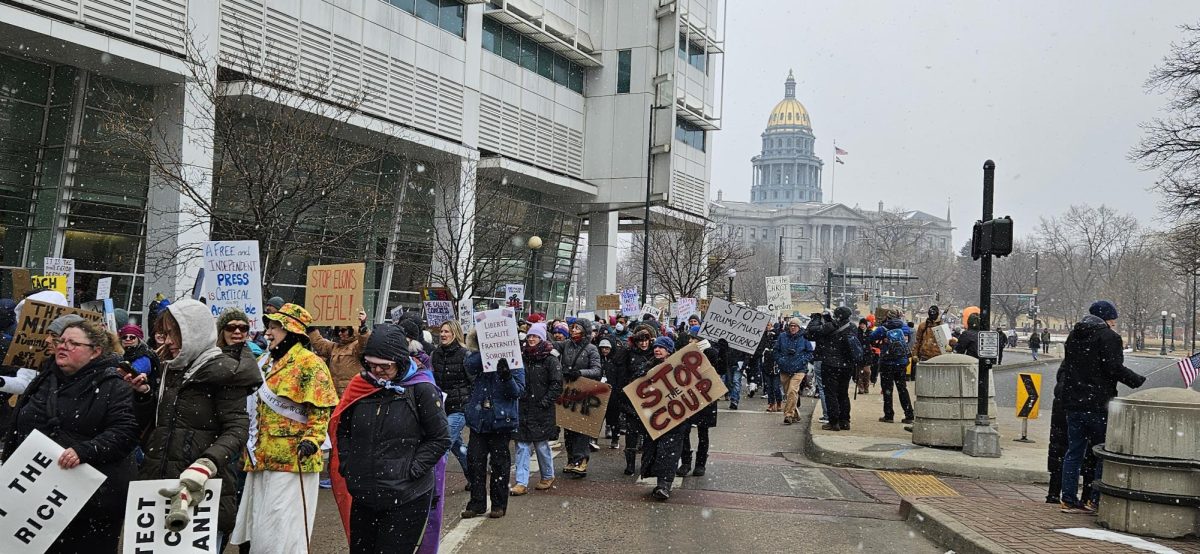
(334, 294)
(49, 282)
(198, 286)
(648, 309)
(233, 279)
(685, 307)
(64, 267)
(145, 515)
(590, 316)
(608, 302)
(704, 302)
(29, 348)
(110, 315)
(104, 288)
(514, 296)
(497, 332)
(779, 293)
(582, 405)
(39, 498)
(675, 390)
(435, 293)
(466, 315)
(629, 302)
(438, 312)
(20, 283)
(743, 327)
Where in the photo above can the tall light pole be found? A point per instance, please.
(731, 274)
(1172, 332)
(1162, 351)
(534, 243)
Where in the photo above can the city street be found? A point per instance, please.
(1159, 372)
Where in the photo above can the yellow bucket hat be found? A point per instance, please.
(293, 318)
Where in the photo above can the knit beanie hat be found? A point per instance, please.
(131, 329)
(666, 343)
(538, 330)
(275, 301)
(562, 329)
(231, 314)
(1103, 309)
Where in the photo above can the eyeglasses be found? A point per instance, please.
(381, 367)
(235, 328)
(130, 337)
(70, 344)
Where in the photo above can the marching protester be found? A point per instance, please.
(703, 420)
(343, 356)
(925, 344)
(893, 340)
(660, 457)
(839, 351)
(865, 374)
(81, 403)
(641, 353)
(15, 382)
(614, 366)
(492, 414)
(233, 328)
(138, 355)
(390, 436)
(537, 425)
(579, 358)
(793, 352)
(197, 414)
(450, 374)
(769, 369)
(1093, 364)
(289, 419)
(968, 340)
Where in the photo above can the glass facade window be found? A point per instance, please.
(692, 53)
(526, 52)
(450, 15)
(690, 134)
(624, 70)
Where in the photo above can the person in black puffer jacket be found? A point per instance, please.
(614, 364)
(703, 420)
(839, 352)
(536, 412)
(451, 376)
(641, 351)
(390, 433)
(81, 403)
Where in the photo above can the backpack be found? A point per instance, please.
(896, 349)
(854, 347)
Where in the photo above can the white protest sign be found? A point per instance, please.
(514, 296)
(110, 316)
(648, 309)
(64, 267)
(629, 302)
(779, 293)
(497, 331)
(590, 316)
(233, 279)
(685, 307)
(438, 312)
(145, 520)
(466, 315)
(104, 288)
(39, 498)
(742, 327)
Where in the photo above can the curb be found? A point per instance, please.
(1025, 365)
(945, 531)
(957, 469)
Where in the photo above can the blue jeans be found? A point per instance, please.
(1084, 430)
(774, 390)
(545, 461)
(457, 422)
(1033, 352)
(820, 384)
(733, 382)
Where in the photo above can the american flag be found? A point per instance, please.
(1187, 367)
(839, 151)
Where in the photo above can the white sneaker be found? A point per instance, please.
(823, 419)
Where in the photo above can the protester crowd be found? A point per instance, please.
(193, 397)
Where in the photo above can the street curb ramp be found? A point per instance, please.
(852, 459)
(945, 531)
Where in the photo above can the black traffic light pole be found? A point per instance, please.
(991, 238)
(985, 293)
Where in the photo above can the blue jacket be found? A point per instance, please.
(880, 334)
(793, 353)
(502, 397)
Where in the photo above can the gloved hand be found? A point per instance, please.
(546, 403)
(307, 448)
(503, 372)
(188, 493)
(571, 374)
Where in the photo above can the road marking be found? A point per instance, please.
(457, 536)
(908, 484)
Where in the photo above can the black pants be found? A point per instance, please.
(660, 458)
(90, 531)
(1058, 450)
(612, 418)
(488, 451)
(391, 529)
(578, 446)
(701, 446)
(635, 434)
(890, 375)
(837, 391)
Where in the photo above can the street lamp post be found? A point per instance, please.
(1172, 332)
(731, 274)
(534, 243)
(1162, 351)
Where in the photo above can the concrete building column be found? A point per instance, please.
(602, 255)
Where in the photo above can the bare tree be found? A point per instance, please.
(1080, 248)
(1138, 284)
(688, 258)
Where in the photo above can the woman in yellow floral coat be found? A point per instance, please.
(289, 418)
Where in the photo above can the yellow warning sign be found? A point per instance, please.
(1029, 387)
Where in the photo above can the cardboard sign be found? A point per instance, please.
(39, 498)
(49, 282)
(104, 288)
(655, 312)
(514, 296)
(20, 283)
(145, 520)
(779, 293)
(466, 315)
(582, 406)
(608, 302)
(941, 333)
(675, 390)
(704, 302)
(29, 348)
(438, 312)
(64, 267)
(233, 279)
(498, 340)
(629, 302)
(334, 294)
(742, 327)
(685, 307)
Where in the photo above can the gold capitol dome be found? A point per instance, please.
(789, 112)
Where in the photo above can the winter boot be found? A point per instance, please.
(701, 459)
(685, 464)
(630, 461)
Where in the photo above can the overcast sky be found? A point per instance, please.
(921, 93)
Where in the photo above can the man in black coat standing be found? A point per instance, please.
(839, 352)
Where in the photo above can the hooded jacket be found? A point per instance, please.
(833, 342)
(198, 409)
(1092, 365)
(344, 358)
(879, 335)
(793, 352)
(579, 359)
(926, 344)
(543, 386)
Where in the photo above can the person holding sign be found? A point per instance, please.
(343, 355)
(289, 418)
(580, 358)
(492, 414)
(81, 403)
(197, 410)
(537, 426)
(641, 352)
(660, 457)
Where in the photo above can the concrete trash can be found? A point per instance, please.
(946, 399)
(1150, 483)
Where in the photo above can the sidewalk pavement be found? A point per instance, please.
(969, 525)
(876, 445)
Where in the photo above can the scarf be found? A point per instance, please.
(286, 344)
(397, 384)
(537, 353)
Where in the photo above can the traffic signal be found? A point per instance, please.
(992, 238)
